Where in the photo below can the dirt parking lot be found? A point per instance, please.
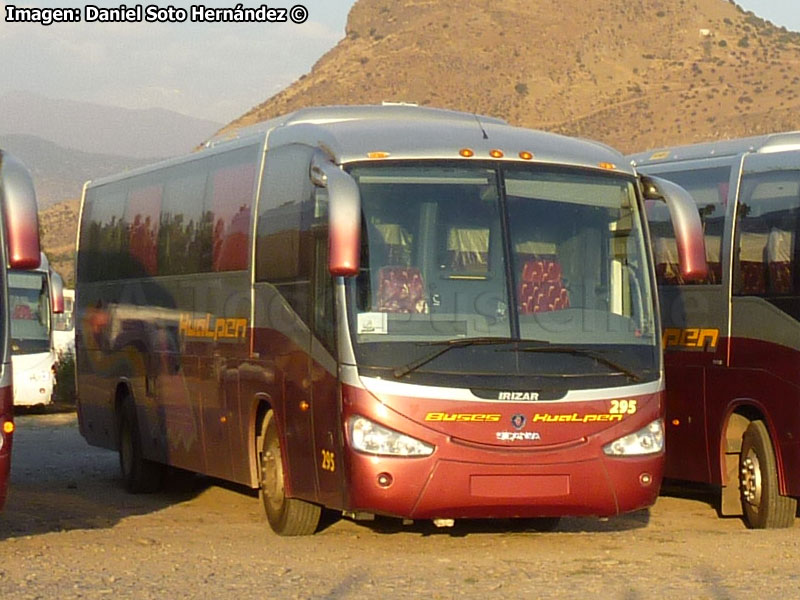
(70, 531)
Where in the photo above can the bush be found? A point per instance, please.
(64, 392)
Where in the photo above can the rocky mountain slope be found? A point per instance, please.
(631, 73)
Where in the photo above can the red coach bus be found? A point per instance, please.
(732, 340)
(381, 310)
(19, 244)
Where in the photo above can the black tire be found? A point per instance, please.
(763, 506)
(140, 476)
(286, 516)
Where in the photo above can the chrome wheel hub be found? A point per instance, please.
(272, 478)
(750, 479)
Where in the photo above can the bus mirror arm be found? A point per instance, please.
(344, 216)
(689, 236)
(57, 292)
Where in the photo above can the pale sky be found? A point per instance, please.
(214, 71)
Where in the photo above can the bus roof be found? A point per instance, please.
(773, 142)
(350, 133)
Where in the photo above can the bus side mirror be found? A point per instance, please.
(344, 216)
(685, 217)
(20, 213)
(56, 293)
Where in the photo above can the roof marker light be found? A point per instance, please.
(466, 153)
(496, 153)
(525, 155)
(607, 165)
(378, 155)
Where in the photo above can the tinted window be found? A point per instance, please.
(142, 215)
(768, 222)
(104, 234)
(286, 194)
(231, 184)
(29, 301)
(709, 188)
(184, 240)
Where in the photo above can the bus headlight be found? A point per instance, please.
(367, 436)
(648, 440)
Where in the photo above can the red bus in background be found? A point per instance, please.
(732, 339)
(381, 310)
(19, 245)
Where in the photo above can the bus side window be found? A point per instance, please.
(232, 181)
(184, 232)
(768, 224)
(104, 238)
(709, 188)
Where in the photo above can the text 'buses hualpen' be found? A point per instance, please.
(381, 310)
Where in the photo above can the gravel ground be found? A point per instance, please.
(70, 531)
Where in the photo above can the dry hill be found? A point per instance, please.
(58, 225)
(631, 73)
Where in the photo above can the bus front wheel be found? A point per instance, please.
(763, 506)
(139, 475)
(286, 516)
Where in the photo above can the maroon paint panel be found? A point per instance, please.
(780, 361)
(701, 397)
(685, 423)
(767, 377)
(6, 415)
(471, 480)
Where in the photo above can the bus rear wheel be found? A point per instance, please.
(286, 516)
(763, 506)
(139, 475)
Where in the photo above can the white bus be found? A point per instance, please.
(64, 327)
(31, 295)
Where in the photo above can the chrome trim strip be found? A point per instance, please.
(347, 355)
(378, 386)
(5, 375)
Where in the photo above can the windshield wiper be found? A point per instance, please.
(447, 345)
(588, 353)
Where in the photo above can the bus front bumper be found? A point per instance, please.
(426, 488)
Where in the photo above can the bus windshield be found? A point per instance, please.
(29, 302)
(531, 262)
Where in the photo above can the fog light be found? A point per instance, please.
(385, 480)
(645, 479)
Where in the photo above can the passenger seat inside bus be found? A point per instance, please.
(541, 287)
(780, 250)
(401, 290)
(22, 312)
